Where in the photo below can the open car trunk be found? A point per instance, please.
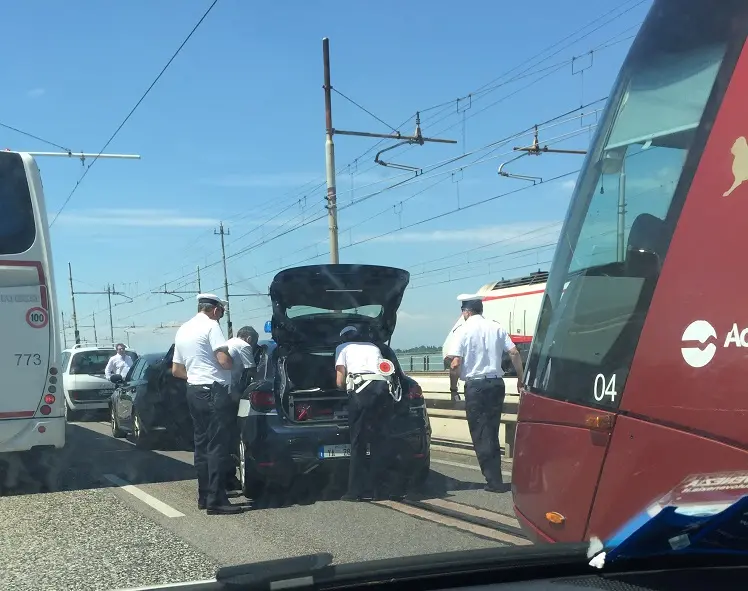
(307, 387)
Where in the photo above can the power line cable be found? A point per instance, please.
(130, 114)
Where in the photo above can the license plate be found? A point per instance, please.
(327, 452)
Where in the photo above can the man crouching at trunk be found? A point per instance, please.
(370, 407)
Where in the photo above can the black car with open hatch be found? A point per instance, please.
(292, 417)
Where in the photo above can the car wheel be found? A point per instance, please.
(71, 415)
(141, 437)
(252, 486)
(117, 432)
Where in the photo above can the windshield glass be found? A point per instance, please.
(618, 229)
(91, 362)
(371, 310)
(494, 314)
(17, 226)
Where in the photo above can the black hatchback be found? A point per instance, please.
(292, 418)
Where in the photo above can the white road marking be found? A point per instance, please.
(149, 500)
(468, 466)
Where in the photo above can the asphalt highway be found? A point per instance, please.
(118, 517)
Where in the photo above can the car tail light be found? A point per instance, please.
(415, 392)
(262, 401)
(49, 399)
(45, 410)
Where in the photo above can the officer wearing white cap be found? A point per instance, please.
(202, 358)
(357, 366)
(476, 349)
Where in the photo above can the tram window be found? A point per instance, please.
(17, 227)
(615, 238)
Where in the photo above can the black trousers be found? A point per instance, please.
(210, 406)
(484, 400)
(368, 415)
(232, 425)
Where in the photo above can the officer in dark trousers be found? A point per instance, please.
(358, 366)
(202, 358)
(476, 349)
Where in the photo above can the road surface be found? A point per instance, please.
(121, 517)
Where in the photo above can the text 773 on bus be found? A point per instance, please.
(31, 406)
(637, 373)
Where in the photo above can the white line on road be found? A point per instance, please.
(159, 506)
(468, 466)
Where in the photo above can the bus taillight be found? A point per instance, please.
(49, 399)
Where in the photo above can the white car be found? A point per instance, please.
(83, 381)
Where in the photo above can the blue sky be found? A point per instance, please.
(234, 132)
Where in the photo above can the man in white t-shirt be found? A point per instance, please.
(476, 349)
(120, 363)
(370, 407)
(201, 357)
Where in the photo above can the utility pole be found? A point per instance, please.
(64, 334)
(330, 131)
(96, 337)
(110, 291)
(199, 288)
(111, 322)
(221, 232)
(332, 197)
(76, 334)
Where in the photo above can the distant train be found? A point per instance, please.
(515, 303)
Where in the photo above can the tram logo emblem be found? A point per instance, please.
(739, 164)
(700, 331)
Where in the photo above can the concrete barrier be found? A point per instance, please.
(448, 422)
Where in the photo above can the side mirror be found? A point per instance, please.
(116, 379)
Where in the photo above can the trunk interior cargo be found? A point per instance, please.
(308, 392)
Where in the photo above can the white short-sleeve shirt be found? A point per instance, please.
(481, 344)
(242, 356)
(358, 357)
(195, 345)
(118, 364)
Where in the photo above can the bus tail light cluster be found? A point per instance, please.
(49, 397)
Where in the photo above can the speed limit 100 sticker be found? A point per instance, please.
(37, 318)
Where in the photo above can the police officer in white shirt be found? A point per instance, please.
(119, 363)
(201, 357)
(242, 351)
(477, 349)
(369, 409)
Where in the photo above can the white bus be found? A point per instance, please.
(31, 401)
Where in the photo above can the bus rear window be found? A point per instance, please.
(17, 227)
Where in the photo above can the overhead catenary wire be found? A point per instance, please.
(445, 107)
(132, 111)
(35, 137)
(488, 87)
(321, 216)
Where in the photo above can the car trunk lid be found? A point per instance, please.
(312, 304)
